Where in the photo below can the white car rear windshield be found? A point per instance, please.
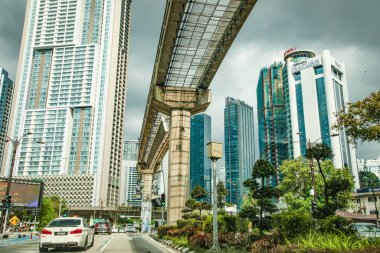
(64, 223)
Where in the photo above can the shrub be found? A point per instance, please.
(236, 241)
(242, 225)
(267, 243)
(227, 223)
(163, 230)
(176, 232)
(195, 216)
(201, 240)
(222, 226)
(186, 216)
(182, 223)
(207, 224)
(293, 223)
(189, 223)
(333, 224)
(182, 241)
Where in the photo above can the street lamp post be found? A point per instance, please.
(15, 144)
(214, 152)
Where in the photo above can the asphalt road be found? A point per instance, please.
(115, 243)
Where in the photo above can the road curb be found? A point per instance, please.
(172, 245)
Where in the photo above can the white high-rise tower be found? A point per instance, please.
(315, 89)
(70, 93)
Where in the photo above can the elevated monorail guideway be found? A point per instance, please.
(195, 37)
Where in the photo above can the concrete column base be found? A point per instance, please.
(146, 203)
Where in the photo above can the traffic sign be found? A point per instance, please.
(14, 220)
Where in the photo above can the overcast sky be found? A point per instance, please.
(348, 28)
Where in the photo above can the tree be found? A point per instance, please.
(296, 184)
(361, 119)
(48, 212)
(50, 209)
(320, 152)
(340, 183)
(198, 193)
(196, 202)
(222, 193)
(368, 179)
(263, 193)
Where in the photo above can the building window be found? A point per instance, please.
(323, 112)
(297, 76)
(318, 70)
(358, 201)
(301, 118)
(372, 212)
(372, 199)
(336, 73)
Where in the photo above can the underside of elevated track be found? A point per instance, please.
(195, 37)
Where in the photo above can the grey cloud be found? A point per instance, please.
(11, 25)
(348, 28)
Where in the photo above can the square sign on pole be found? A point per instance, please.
(214, 150)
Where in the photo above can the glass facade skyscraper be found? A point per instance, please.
(273, 142)
(129, 176)
(239, 148)
(6, 94)
(200, 164)
(71, 91)
(315, 88)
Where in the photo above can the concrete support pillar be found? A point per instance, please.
(146, 203)
(179, 103)
(179, 159)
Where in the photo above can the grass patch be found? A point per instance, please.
(182, 241)
(338, 242)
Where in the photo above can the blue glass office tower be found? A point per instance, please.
(239, 147)
(273, 141)
(200, 164)
(6, 93)
(70, 93)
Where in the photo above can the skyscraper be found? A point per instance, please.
(315, 89)
(239, 147)
(128, 176)
(273, 143)
(200, 164)
(70, 92)
(221, 174)
(6, 93)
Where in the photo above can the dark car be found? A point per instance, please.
(103, 227)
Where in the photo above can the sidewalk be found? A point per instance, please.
(14, 235)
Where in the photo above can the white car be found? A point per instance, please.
(130, 228)
(70, 232)
(364, 229)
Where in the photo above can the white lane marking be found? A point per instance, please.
(163, 246)
(105, 245)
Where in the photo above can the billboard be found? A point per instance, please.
(24, 193)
